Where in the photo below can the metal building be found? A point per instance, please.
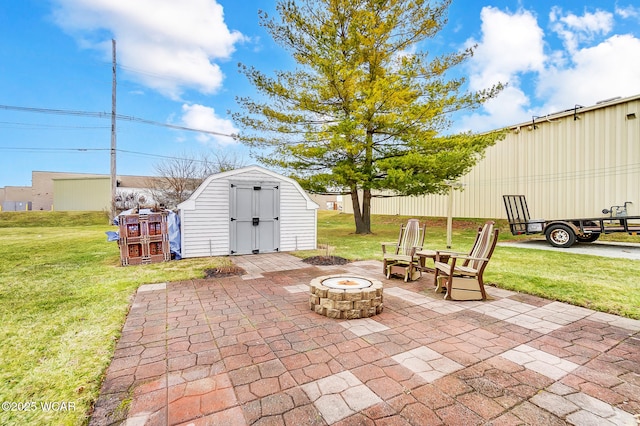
(574, 163)
(84, 194)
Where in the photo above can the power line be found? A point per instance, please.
(40, 149)
(167, 157)
(82, 150)
(171, 126)
(108, 115)
(37, 126)
(56, 111)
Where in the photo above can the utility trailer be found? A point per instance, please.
(565, 232)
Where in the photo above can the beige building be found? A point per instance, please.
(571, 164)
(82, 194)
(42, 186)
(15, 198)
(68, 191)
(43, 189)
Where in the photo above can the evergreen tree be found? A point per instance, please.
(365, 109)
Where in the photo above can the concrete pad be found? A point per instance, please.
(602, 249)
(152, 287)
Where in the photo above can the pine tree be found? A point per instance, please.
(365, 109)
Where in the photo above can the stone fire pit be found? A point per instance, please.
(345, 296)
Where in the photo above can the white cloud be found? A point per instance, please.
(511, 44)
(164, 44)
(628, 12)
(600, 72)
(575, 30)
(204, 118)
(509, 108)
(588, 66)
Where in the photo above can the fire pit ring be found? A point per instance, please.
(345, 296)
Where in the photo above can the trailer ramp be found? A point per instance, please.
(518, 215)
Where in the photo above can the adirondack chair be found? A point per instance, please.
(399, 258)
(461, 277)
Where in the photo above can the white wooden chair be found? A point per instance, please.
(461, 277)
(402, 259)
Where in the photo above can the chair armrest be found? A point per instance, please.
(450, 253)
(385, 244)
(446, 254)
(414, 249)
(465, 257)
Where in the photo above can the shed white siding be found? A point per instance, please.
(205, 216)
(569, 165)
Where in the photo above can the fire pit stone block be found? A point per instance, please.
(353, 295)
(321, 291)
(335, 294)
(334, 313)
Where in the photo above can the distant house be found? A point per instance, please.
(247, 210)
(574, 163)
(327, 202)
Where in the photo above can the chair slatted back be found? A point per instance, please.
(483, 245)
(411, 235)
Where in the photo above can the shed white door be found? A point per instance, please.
(254, 218)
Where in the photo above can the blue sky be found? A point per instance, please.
(177, 64)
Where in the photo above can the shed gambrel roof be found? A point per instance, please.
(189, 204)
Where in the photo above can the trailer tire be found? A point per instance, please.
(560, 235)
(589, 238)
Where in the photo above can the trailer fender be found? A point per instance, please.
(560, 233)
(576, 229)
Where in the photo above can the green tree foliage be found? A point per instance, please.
(365, 109)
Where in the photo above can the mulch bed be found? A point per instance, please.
(326, 260)
(224, 271)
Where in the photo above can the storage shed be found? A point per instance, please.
(245, 211)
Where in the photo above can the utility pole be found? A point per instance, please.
(114, 181)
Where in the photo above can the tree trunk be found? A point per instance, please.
(361, 215)
(365, 215)
(366, 211)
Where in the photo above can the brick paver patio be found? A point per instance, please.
(248, 351)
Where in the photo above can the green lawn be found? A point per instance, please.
(63, 301)
(64, 297)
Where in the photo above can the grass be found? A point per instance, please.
(599, 283)
(64, 299)
(64, 296)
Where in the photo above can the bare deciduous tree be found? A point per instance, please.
(180, 176)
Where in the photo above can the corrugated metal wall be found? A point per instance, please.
(87, 194)
(566, 167)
